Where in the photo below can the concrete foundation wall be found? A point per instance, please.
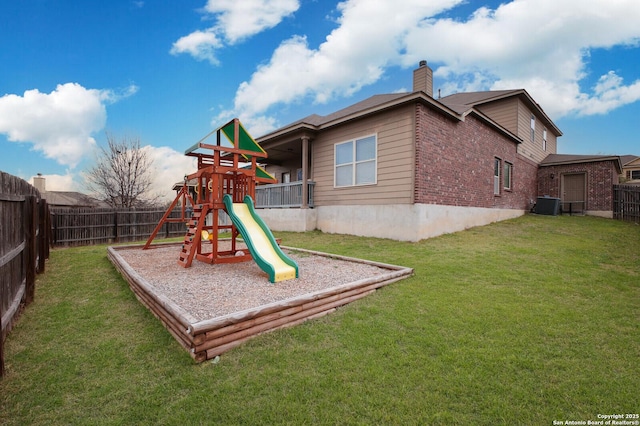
(407, 222)
(607, 214)
(404, 222)
(294, 220)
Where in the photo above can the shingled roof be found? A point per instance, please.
(463, 103)
(626, 159)
(71, 199)
(373, 104)
(559, 159)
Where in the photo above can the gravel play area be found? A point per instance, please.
(212, 290)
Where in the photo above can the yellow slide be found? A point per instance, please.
(260, 241)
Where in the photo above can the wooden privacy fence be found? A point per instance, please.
(73, 227)
(24, 246)
(626, 203)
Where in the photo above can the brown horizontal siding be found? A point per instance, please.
(503, 112)
(395, 155)
(552, 144)
(390, 189)
(533, 150)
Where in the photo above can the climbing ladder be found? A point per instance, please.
(191, 242)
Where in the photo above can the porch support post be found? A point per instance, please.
(305, 172)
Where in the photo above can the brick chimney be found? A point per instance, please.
(423, 79)
(40, 183)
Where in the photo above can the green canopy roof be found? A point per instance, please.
(262, 173)
(245, 141)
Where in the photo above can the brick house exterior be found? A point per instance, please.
(441, 165)
(463, 173)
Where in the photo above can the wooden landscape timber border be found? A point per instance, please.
(209, 338)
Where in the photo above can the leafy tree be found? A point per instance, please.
(121, 175)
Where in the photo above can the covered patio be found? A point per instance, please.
(289, 160)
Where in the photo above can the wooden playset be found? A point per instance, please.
(226, 180)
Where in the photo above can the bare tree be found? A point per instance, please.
(122, 173)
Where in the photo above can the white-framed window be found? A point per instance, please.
(533, 127)
(507, 176)
(544, 139)
(496, 175)
(356, 162)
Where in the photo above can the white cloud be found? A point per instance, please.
(59, 124)
(169, 167)
(238, 20)
(235, 21)
(201, 45)
(609, 94)
(540, 45)
(354, 55)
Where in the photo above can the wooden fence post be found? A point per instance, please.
(30, 249)
(1, 345)
(43, 235)
(54, 220)
(115, 226)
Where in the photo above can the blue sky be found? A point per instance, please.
(168, 71)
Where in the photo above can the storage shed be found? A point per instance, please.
(583, 183)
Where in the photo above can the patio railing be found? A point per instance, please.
(282, 195)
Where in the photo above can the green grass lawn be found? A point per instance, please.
(522, 322)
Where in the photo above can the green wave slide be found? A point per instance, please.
(260, 241)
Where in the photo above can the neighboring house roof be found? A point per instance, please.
(70, 199)
(463, 103)
(560, 159)
(191, 183)
(626, 159)
(630, 164)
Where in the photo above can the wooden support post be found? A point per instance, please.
(182, 195)
(305, 172)
(236, 133)
(214, 238)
